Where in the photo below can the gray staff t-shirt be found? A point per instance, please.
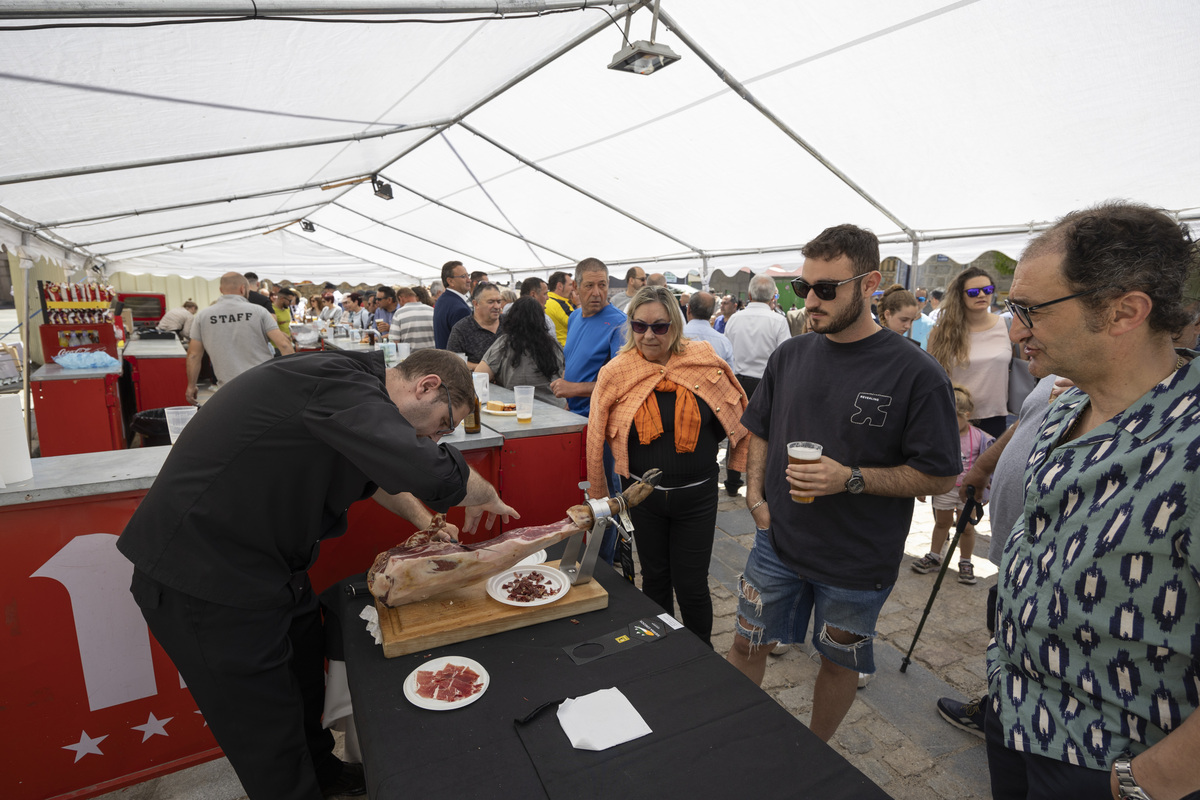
(234, 334)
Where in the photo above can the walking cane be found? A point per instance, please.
(972, 513)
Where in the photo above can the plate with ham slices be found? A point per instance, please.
(447, 683)
(528, 586)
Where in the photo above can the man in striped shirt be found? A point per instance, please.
(412, 322)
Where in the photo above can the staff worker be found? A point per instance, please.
(222, 580)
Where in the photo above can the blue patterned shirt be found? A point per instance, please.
(1097, 646)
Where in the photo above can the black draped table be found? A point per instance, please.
(715, 734)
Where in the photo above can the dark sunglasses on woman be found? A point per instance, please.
(659, 328)
(975, 292)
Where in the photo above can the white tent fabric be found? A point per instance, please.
(965, 125)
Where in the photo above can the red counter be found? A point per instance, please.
(158, 370)
(77, 410)
(89, 702)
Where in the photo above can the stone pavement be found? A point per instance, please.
(892, 732)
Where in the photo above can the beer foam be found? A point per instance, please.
(805, 453)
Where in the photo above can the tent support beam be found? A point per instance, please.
(195, 227)
(443, 245)
(106, 9)
(138, 212)
(740, 89)
(579, 189)
(454, 210)
(73, 172)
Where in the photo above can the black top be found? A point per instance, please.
(267, 469)
(679, 469)
(259, 299)
(877, 402)
(469, 337)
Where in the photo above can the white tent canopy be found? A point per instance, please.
(184, 148)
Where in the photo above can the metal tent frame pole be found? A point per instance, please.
(107, 9)
(740, 89)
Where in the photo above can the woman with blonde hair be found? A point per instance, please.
(667, 402)
(898, 308)
(972, 344)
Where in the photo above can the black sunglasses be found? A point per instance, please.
(975, 292)
(450, 412)
(659, 328)
(1025, 313)
(823, 291)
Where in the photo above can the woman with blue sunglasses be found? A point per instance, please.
(972, 344)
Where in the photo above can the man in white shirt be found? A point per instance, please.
(754, 332)
(635, 279)
(699, 309)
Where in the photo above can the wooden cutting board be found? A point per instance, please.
(469, 613)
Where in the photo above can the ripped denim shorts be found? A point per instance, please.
(786, 601)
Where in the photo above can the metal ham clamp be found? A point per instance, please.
(580, 571)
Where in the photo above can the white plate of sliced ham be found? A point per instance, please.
(447, 683)
(528, 586)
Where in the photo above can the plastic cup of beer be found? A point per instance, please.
(178, 418)
(524, 399)
(803, 453)
(481, 386)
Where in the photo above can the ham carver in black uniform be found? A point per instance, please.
(222, 578)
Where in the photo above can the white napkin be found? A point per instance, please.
(372, 617)
(600, 720)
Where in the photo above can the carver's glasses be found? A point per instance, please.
(824, 291)
(1025, 313)
(659, 328)
(975, 292)
(450, 419)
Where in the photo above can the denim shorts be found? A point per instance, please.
(787, 601)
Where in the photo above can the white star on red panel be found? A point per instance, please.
(85, 745)
(153, 727)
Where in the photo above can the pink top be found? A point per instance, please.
(986, 375)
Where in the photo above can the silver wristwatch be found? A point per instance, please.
(1127, 787)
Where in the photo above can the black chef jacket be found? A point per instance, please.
(267, 469)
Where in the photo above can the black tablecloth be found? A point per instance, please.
(714, 733)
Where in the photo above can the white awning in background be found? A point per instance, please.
(183, 148)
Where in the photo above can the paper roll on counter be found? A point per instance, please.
(15, 465)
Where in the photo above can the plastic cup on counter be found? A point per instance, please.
(524, 399)
(178, 418)
(390, 356)
(481, 386)
(403, 350)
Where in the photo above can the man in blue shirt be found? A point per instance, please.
(595, 331)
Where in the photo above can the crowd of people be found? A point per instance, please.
(1093, 671)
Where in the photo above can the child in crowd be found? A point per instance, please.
(947, 506)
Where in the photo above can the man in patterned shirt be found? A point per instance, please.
(1095, 658)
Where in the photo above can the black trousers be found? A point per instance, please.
(733, 478)
(673, 531)
(259, 679)
(1024, 776)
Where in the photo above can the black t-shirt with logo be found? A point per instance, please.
(877, 402)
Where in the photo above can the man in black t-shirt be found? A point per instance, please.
(884, 414)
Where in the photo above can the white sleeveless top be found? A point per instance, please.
(986, 375)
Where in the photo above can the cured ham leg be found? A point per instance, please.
(424, 566)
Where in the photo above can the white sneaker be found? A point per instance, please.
(863, 679)
(780, 649)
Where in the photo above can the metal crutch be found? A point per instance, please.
(971, 513)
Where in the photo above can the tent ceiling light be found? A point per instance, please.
(382, 190)
(307, 226)
(643, 58)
